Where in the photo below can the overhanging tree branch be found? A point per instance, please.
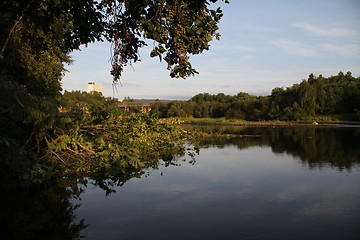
(9, 35)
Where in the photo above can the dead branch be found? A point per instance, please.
(12, 30)
(86, 149)
(58, 157)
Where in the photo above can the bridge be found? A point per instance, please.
(145, 106)
(134, 104)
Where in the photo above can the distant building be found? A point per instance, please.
(95, 87)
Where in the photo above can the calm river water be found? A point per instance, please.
(262, 183)
(257, 183)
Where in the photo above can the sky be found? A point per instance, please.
(264, 44)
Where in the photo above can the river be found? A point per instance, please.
(250, 183)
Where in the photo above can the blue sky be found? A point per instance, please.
(264, 44)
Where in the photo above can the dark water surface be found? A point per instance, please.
(283, 183)
(257, 183)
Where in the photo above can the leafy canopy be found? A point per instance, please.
(36, 38)
(177, 27)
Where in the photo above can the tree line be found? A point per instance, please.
(318, 95)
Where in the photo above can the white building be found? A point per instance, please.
(97, 87)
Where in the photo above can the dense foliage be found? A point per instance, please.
(36, 38)
(103, 137)
(315, 96)
(177, 27)
(93, 137)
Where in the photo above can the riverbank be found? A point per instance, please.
(235, 122)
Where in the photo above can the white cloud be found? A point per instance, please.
(296, 48)
(342, 49)
(318, 48)
(327, 31)
(244, 48)
(257, 28)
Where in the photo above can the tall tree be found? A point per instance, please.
(37, 36)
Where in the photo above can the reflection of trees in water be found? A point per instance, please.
(316, 146)
(110, 178)
(39, 212)
(45, 211)
(338, 147)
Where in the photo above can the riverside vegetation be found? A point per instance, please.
(50, 142)
(45, 134)
(37, 141)
(317, 98)
(91, 137)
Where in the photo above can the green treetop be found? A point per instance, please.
(177, 27)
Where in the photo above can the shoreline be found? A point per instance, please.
(206, 122)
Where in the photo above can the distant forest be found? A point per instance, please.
(335, 96)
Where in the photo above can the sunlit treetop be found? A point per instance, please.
(177, 27)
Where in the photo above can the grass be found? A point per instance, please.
(225, 121)
(328, 119)
(212, 120)
(332, 118)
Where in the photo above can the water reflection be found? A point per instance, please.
(246, 185)
(39, 212)
(315, 146)
(230, 194)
